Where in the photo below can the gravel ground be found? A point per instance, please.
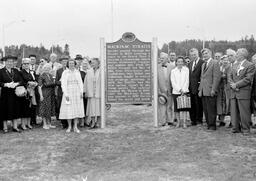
(129, 149)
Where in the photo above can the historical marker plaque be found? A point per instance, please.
(128, 71)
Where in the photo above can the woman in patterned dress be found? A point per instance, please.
(72, 107)
(47, 96)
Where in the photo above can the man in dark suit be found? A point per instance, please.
(195, 67)
(209, 82)
(63, 60)
(240, 79)
(79, 59)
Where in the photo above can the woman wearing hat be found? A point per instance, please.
(47, 96)
(10, 78)
(30, 83)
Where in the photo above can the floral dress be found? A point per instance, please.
(47, 106)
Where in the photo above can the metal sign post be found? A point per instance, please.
(102, 71)
(155, 81)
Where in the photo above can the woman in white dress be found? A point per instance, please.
(180, 84)
(72, 106)
(92, 91)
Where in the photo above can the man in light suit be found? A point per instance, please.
(210, 79)
(240, 79)
(195, 67)
(164, 87)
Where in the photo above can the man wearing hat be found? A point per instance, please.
(208, 88)
(79, 59)
(10, 105)
(63, 59)
(164, 91)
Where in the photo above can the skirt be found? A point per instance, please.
(93, 107)
(75, 107)
(175, 104)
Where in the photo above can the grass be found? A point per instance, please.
(129, 149)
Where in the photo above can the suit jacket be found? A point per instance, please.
(194, 76)
(27, 76)
(164, 84)
(57, 81)
(82, 75)
(90, 89)
(243, 81)
(210, 78)
(254, 87)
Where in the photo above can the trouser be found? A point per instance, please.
(196, 111)
(33, 114)
(240, 114)
(210, 110)
(170, 109)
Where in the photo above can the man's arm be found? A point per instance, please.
(248, 77)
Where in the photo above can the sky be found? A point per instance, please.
(81, 23)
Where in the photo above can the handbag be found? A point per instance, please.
(183, 102)
(20, 91)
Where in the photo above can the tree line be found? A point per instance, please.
(182, 47)
(40, 51)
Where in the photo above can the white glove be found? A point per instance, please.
(12, 84)
(7, 85)
(15, 84)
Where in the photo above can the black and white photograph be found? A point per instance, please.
(127, 90)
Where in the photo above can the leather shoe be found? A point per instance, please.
(16, 130)
(235, 131)
(170, 124)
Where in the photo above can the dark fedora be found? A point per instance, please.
(7, 57)
(79, 57)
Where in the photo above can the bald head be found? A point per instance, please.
(53, 57)
(241, 54)
(231, 55)
(163, 57)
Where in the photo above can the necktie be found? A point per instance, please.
(194, 65)
(205, 66)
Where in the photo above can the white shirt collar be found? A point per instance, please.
(197, 60)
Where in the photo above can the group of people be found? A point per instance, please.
(215, 86)
(67, 89)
